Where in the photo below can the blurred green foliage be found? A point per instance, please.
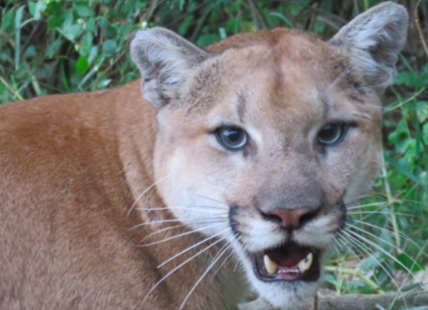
(58, 46)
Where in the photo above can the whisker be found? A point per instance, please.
(362, 197)
(193, 246)
(380, 211)
(367, 214)
(366, 205)
(195, 208)
(163, 230)
(212, 199)
(338, 79)
(227, 258)
(184, 221)
(367, 250)
(179, 235)
(379, 248)
(213, 262)
(364, 87)
(402, 235)
(348, 248)
(178, 267)
(384, 202)
(145, 192)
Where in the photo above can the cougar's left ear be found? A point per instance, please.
(373, 40)
(165, 60)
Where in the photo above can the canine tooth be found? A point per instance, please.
(306, 263)
(270, 265)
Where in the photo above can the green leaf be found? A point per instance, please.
(93, 54)
(84, 11)
(109, 47)
(82, 65)
(54, 48)
(103, 23)
(405, 262)
(207, 39)
(36, 9)
(425, 133)
(331, 279)
(55, 21)
(422, 111)
(111, 32)
(73, 32)
(248, 27)
(68, 19)
(40, 7)
(371, 262)
(53, 7)
(91, 26)
(86, 44)
(185, 24)
(7, 21)
(222, 33)
(32, 8)
(104, 83)
(181, 4)
(18, 18)
(412, 79)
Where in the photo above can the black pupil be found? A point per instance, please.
(330, 133)
(233, 136)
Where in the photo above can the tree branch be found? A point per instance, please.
(353, 302)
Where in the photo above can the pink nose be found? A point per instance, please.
(291, 219)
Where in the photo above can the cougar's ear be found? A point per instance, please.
(165, 60)
(373, 40)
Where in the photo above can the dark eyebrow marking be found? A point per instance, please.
(242, 105)
(326, 105)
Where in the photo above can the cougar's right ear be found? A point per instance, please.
(165, 60)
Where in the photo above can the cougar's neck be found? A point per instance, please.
(137, 128)
(137, 132)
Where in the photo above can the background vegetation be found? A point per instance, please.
(55, 46)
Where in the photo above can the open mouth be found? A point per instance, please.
(289, 262)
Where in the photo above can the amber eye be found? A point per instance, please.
(232, 138)
(331, 134)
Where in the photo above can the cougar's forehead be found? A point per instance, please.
(294, 80)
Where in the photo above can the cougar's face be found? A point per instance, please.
(263, 150)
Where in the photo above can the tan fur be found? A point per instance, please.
(77, 194)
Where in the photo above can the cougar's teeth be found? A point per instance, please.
(306, 263)
(270, 265)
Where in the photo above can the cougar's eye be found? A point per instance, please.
(331, 134)
(232, 138)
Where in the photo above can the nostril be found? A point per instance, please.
(290, 219)
(272, 218)
(307, 217)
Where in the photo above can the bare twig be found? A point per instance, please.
(353, 302)
(258, 16)
(11, 89)
(373, 302)
(419, 28)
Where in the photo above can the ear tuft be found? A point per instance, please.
(373, 40)
(165, 60)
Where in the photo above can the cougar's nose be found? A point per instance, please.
(291, 219)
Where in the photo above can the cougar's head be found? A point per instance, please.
(263, 141)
